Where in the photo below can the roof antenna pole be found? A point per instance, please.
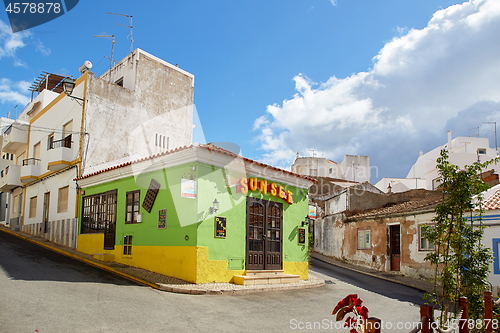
(129, 26)
(112, 49)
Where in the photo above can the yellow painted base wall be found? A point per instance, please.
(189, 263)
(213, 270)
(297, 268)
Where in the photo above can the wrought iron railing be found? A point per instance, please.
(31, 161)
(7, 131)
(4, 172)
(61, 143)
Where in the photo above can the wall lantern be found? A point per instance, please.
(215, 207)
(68, 86)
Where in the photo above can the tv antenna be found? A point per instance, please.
(129, 26)
(473, 128)
(112, 49)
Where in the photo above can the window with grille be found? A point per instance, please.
(132, 204)
(98, 211)
(62, 199)
(127, 245)
(32, 207)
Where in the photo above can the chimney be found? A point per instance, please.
(449, 140)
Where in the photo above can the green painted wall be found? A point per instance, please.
(211, 185)
(181, 212)
(191, 217)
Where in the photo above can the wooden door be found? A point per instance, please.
(395, 247)
(264, 244)
(110, 224)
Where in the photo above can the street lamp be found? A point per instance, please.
(68, 86)
(215, 207)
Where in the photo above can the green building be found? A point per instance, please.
(199, 213)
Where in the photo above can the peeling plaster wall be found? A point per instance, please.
(126, 124)
(412, 260)
(329, 235)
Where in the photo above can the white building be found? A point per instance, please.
(424, 174)
(140, 107)
(353, 167)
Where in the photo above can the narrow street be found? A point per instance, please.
(369, 283)
(45, 291)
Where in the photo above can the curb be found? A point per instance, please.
(89, 262)
(197, 291)
(159, 286)
(313, 255)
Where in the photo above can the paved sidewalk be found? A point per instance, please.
(423, 285)
(160, 281)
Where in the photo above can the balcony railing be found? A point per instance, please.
(7, 131)
(61, 143)
(4, 172)
(31, 161)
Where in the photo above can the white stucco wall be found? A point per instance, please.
(52, 185)
(126, 124)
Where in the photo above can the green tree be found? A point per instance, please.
(461, 261)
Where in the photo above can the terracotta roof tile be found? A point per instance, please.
(492, 202)
(405, 207)
(210, 147)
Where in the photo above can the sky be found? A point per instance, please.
(384, 78)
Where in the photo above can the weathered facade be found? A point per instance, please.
(141, 107)
(386, 239)
(213, 215)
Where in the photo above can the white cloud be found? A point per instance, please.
(333, 2)
(41, 48)
(10, 42)
(11, 92)
(419, 81)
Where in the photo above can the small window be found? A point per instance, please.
(36, 151)
(364, 239)
(119, 82)
(133, 199)
(424, 244)
(50, 141)
(481, 151)
(62, 199)
(16, 203)
(127, 245)
(67, 130)
(32, 207)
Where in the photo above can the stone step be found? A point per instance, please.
(264, 273)
(271, 279)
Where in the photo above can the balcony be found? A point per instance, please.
(15, 137)
(60, 154)
(10, 178)
(5, 162)
(30, 171)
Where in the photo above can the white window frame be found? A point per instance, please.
(364, 239)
